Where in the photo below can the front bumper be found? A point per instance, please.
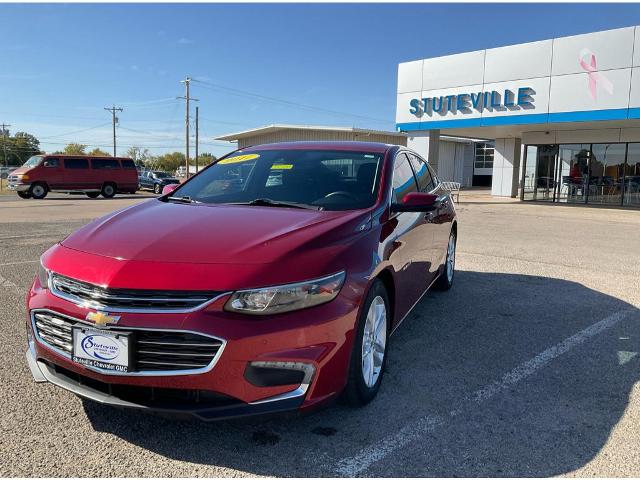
(206, 410)
(19, 187)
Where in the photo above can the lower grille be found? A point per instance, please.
(153, 397)
(154, 351)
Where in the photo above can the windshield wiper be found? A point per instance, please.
(183, 199)
(267, 202)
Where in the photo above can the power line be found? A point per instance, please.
(74, 132)
(244, 93)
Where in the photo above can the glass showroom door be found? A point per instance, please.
(573, 172)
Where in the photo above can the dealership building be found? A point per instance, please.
(563, 115)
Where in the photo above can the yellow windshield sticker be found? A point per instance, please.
(239, 159)
(281, 166)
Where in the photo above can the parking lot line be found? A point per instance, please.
(25, 262)
(351, 466)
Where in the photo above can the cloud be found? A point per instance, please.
(185, 41)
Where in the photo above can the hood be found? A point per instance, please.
(156, 231)
(21, 170)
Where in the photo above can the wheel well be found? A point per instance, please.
(386, 278)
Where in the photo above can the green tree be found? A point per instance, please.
(96, 152)
(204, 159)
(169, 162)
(18, 148)
(141, 157)
(75, 149)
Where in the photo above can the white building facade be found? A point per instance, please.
(564, 114)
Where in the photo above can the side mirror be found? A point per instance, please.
(169, 188)
(417, 202)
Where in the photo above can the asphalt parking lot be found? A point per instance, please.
(528, 366)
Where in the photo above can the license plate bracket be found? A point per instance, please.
(108, 350)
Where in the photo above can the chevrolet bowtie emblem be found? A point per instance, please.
(102, 318)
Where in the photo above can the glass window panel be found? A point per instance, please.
(632, 176)
(607, 172)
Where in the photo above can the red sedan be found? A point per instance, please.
(269, 281)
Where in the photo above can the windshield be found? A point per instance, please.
(320, 179)
(161, 175)
(33, 161)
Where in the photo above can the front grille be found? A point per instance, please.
(98, 297)
(153, 351)
(12, 178)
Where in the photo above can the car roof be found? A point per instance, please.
(372, 147)
(62, 155)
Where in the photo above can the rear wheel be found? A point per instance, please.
(108, 190)
(92, 194)
(24, 195)
(446, 278)
(368, 357)
(38, 191)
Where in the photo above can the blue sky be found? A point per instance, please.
(61, 64)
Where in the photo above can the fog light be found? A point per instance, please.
(274, 374)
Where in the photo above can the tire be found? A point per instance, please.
(157, 189)
(362, 387)
(24, 195)
(445, 281)
(108, 190)
(92, 194)
(38, 191)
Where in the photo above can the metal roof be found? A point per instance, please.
(231, 137)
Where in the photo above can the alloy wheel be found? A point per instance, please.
(374, 341)
(451, 258)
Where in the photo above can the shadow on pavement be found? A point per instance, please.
(453, 344)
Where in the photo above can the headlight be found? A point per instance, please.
(43, 276)
(285, 298)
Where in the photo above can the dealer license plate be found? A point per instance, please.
(102, 349)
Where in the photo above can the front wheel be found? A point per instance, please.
(445, 282)
(24, 195)
(108, 190)
(368, 357)
(38, 191)
(157, 189)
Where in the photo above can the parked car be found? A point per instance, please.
(5, 171)
(224, 298)
(93, 176)
(156, 181)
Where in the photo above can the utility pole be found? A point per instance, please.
(188, 99)
(113, 111)
(197, 134)
(5, 133)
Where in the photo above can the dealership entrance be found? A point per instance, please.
(597, 173)
(562, 115)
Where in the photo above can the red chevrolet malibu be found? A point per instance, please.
(270, 281)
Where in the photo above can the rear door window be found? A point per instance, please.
(76, 163)
(128, 164)
(403, 180)
(423, 176)
(104, 163)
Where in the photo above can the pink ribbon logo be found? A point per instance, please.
(587, 61)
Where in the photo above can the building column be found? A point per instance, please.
(506, 167)
(426, 144)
